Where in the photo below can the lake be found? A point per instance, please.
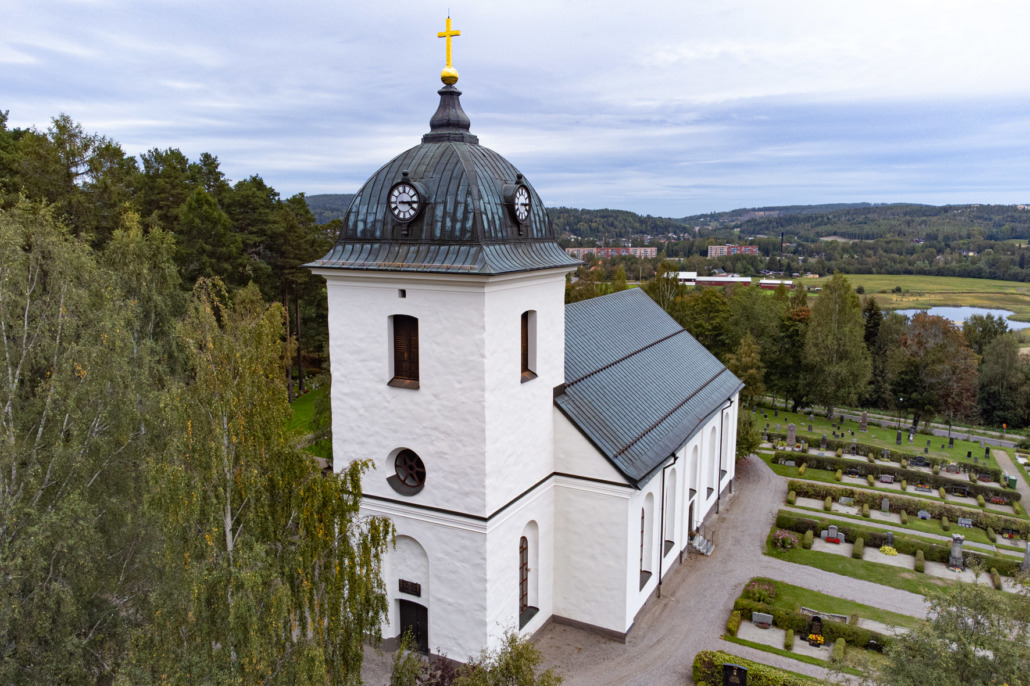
(961, 314)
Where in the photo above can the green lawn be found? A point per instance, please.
(886, 575)
(874, 436)
(928, 526)
(793, 598)
(826, 476)
(304, 411)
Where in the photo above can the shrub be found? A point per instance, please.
(788, 640)
(920, 562)
(733, 623)
(904, 463)
(936, 469)
(904, 485)
(904, 517)
(792, 498)
(802, 469)
(759, 591)
(857, 551)
(945, 524)
(838, 475)
(980, 501)
(870, 457)
(1017, 508)
(785, 540)
(889, 551)
(943, 493)
(865, 510)
(828, 503)
(808, 540)
(972, 478)
(839, 646)
(871, 480)
(840, 452)
(995, 578)
(991, 536)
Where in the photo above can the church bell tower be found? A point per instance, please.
(446, 333)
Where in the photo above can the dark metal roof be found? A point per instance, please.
(636, 383)
(466, 225)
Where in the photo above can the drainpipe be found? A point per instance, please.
(661, 532)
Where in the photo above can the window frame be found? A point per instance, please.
(527, 361)
(404, 351)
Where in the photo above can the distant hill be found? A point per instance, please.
(329, 206)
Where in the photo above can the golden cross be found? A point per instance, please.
(448, 34)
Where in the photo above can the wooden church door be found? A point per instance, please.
(415, 618)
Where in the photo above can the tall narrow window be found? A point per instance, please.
(405, 351)
(641, 543)
(523, 574)
(528, 345)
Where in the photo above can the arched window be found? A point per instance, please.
(670, 513)
(405, 351)
(528, 346)
(713, 462)
(529, 577)
(646, 539)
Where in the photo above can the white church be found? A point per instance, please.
(541, 462)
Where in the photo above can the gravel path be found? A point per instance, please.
(1007, 466)
(698, 596)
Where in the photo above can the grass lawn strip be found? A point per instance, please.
(972, 535)
(786, 653)
(304, 412)
(791, 597)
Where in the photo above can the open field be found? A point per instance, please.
(930, 291)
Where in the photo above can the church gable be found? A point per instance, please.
(637, 385)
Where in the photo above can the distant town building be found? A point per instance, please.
(773, 284)
(603, 253)
(724, 250)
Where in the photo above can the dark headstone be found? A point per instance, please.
(864, 424)
(987, 452)
(822, 443)
(951, 442)
(928, 443)
(776, 413)
(926, 450)
(898, 439)
(890, 538)
(734, 675)
(955, 558)
(809, 428)
(969, 454)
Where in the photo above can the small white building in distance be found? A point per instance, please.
(540, 462)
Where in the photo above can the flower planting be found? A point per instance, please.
(889, 551)
(785, 540)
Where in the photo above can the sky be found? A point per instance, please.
(668, 108)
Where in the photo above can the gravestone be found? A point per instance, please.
(955, 558)
(926, 450)
(987, 452)
(789, 463)
(734, 675)
(845, 500)
(822, 444)
(976, 460)
(791, 434)
(852, 431)
(864, 424)
(777, 427)
(942, 446)
(776, 413)
(762, 620)
(809, 428)
(811, 415)
(1025, 567)
(965, 522)
(890, 538)
(981, 443)
(824, 534)
(816, 626)
(951, 442)
(923, 514)
(969, 454)
(886, 478)
(833, 531)
(885, 505)
(911, 437)
(898, 439)
(928, 443)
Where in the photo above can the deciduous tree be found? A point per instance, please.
(834, 347)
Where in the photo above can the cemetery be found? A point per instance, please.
(842, 433)
(859, 555)
(779, 617)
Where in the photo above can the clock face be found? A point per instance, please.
(405, 202)
(521, 203)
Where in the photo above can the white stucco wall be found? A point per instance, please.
(574, 454)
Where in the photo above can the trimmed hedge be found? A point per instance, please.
(871, 480)
(808, 540)
(733, 623)
(943, 493)
(934, 552)
(995, 578)
(828, 504)
(708, 669)
(980, 500)
(838, 475)
(839, 646)
(788, 640)
(792, 498)
(991, 536)
(945, 524)
(904, 517)
(865, 510)
(859, 548)
(900, 503)
(832, 464)
(920, 562)
(802, 468)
